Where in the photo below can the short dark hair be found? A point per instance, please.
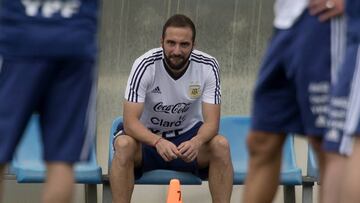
(179, 20)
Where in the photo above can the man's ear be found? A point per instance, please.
(193, 46)
(161, 42)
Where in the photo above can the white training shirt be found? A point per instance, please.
(287, 12)
(173, 106)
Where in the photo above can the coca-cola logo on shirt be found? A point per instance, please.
(172, 108)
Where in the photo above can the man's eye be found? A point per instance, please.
(184, 45)
(171, 43)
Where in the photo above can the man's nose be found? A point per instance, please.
(177, 50)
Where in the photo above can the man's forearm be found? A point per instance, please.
(206, 132)
(139, 132)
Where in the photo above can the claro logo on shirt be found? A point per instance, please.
(48, 8)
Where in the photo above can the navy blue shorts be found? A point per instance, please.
(292, 89)
(151, 160)
(344, 116)
(62, 92)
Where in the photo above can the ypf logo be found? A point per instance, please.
(48, 8)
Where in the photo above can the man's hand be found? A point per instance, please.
(189, 150)
(167, 150)
(326, 9)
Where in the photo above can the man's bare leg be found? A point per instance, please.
(333, 177)
(127, 156)
(216, 155)
(59, 185)
(351, 183)
(265, 153)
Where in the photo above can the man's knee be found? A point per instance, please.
(219, 146)
(125, 148)
(265, 145)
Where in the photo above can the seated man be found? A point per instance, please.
(171, 116)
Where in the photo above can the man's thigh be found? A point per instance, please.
(120, 137)
(152, 160)
(67, 110)
(21, 87)
(293, 84)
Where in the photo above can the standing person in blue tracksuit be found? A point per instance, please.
(47, 65)
(292, 91)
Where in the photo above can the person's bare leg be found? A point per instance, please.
(330, 172)
(265, 152)
(350, 188)
(59, 185)
(127, 156)
(216, 155)
(2, 168)
(332, 178)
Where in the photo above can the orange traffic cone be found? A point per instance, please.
(174, 192)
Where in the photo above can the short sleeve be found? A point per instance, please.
(137, 82)
(212, 90)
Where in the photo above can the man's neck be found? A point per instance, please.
(176, 73)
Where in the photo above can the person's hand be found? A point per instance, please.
(189, 150)
(167, 150)
(326, 9)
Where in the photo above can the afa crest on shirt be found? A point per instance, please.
(194, 91)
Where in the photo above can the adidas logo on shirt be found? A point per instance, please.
(156, 90)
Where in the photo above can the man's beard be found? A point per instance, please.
(176, 66)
